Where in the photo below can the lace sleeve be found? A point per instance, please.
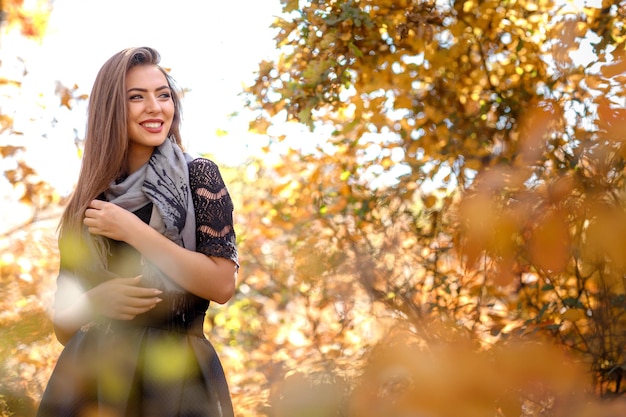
(215, 234)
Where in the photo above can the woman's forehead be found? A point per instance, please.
(145, 75)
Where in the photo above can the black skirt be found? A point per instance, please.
(158, 365)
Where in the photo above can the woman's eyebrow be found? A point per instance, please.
(145, 90)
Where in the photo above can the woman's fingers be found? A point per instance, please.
(140, 292)
(134, 308)
(97, 204)
(124, 298)
(142, 306)
(139, 302)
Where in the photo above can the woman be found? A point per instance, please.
(146, 242)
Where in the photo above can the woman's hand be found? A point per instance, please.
(109, 220)
(122, 298)
(118, 298)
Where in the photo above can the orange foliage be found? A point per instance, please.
(469, 192)
(30, 18)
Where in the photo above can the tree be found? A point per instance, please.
(467, 192)
(471, 169)
(27, 256)
(27, 22)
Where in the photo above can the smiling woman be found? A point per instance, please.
(151, 111)
(147, 242)
(235, 37)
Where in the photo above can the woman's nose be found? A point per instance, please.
(152, 105)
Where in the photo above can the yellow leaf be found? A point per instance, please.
(259, 125)
(429, 200)
(549, 242)
(290, 5)
(573, 314)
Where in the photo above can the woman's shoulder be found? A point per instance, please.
(202, 164)
(204, 172)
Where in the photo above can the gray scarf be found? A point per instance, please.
(164, 182)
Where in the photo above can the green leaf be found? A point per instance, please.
(355, 50)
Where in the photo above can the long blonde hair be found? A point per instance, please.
(106, 141)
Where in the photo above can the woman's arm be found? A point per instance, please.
(211, 278)
(211, 271)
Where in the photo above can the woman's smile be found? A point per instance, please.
(153, 126)
(150, 112)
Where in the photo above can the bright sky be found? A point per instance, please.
(213, 48)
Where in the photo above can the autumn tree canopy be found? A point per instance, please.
(464, 189)
(28, 21)
(471, 170)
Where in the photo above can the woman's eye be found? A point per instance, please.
(135, 97)
(165, 95)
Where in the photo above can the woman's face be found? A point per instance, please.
(150, 112)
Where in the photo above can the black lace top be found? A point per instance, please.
(123, 351)
(215, 234)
